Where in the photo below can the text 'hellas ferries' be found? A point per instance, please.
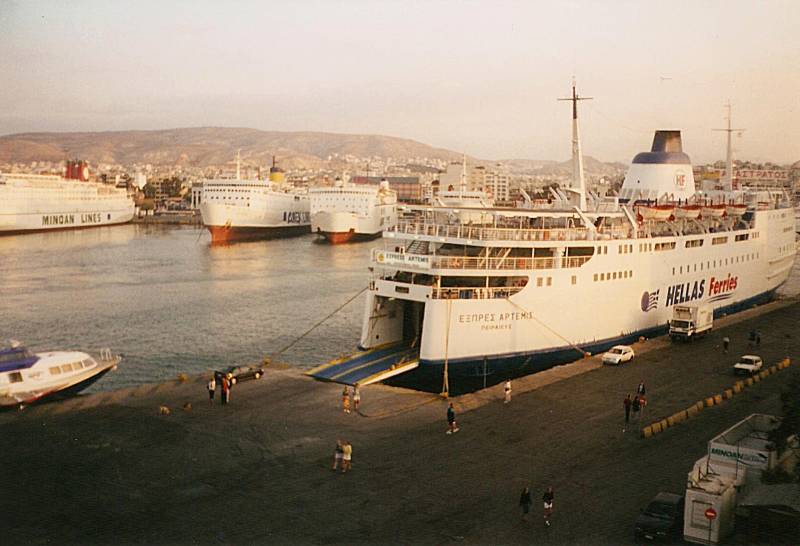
(467, 301)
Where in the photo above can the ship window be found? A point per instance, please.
(719, 240)
(680, 270)
(549, 281)
(614, 275)
(55, 370)
(630, 273)
(66, 368)
(602, 276)
(574, 279)
(538, 281)
(595, 277)
(15, 377)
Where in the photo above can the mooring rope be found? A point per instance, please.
(321, 321)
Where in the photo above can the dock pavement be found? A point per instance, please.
(109, 468)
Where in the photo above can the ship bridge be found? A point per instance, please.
(370, 366)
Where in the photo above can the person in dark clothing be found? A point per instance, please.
(525, 502)
(451, 419)
(636, 405)
(641, 390)
(547, 499)
(725, 343)
(627, 404)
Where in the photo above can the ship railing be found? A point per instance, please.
(428, 261)
(467, 293)
(491, 233)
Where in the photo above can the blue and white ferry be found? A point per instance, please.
(27, 377)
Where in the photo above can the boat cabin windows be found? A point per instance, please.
(15, 377)
(694, 243)
(743, 237)
(665, 246)
(625, 249)
(719, 240)
(66, 368)
(55, 370)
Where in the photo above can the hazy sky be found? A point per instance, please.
(480, 77)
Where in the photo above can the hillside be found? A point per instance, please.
(204, 146)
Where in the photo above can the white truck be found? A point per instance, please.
(689, 321)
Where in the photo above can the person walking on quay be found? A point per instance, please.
(347, 457)
(212, 387)
(525, 502)
(451, 419)
(547, 499)
(636, 406)
(356, 399)
(627, 405)
(507, 390)
(226, 391)
(726, 342)
(338, 455)
(641, 390)
(346, 399)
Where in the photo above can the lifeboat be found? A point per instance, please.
(713, 211)
(656, 212)
(688, 211)
(735, 210)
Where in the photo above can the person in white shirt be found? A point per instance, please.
(212, 386)
(507, 389)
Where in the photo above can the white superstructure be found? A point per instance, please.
(235, 210)
(536, 287)
(33, 202)
(352, 211)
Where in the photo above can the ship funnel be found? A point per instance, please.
(662, 174)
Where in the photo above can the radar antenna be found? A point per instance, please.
(578, 182)
(728, 180)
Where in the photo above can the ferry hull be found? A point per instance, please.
(18, 224)
(472, 374)
(338, 238)
(231, 234)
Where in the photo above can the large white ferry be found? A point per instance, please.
(35, 202)
(463, 306)
(238, 210)
(26, 377)
(343, 212)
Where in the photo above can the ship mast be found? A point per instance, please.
(728, 180)
(578, 182)
(463, 188)
(238, 164)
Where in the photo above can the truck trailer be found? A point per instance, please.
(689, 321)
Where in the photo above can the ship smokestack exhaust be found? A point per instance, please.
(667, 141)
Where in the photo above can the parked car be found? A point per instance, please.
(748, 364)
(661, 520)
(618, 354)
(236, 374)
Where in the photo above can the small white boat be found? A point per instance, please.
(713, 211)
(656, 212)
(735, 210)
(27, 377)
(688, 211)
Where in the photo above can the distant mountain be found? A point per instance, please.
(204, 146)
(544, 167)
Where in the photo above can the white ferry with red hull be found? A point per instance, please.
(240, 210)
(537, 287)
(33, 203)
(352, 212)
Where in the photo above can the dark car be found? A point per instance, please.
(662, 519)
(240, 373)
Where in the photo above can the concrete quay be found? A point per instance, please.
(107, 468)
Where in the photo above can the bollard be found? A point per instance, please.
(727, 394)
(671, 421)
(699, 405)
(691, 411)
(737, 388)
(656, 427)
(756, 378)
(647, 431)
(680, 416)
(664, 425)
(709, 401)
(763, 374)
(741, 385)
(749, 381)
(773, 369)
(718, 399)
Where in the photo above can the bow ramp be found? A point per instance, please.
(368, 367)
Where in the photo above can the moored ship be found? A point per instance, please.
(465, 306)
(36, 202)
(345, 212)
(241, 210)
(27, 377)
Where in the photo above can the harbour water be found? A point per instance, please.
(172, 303)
